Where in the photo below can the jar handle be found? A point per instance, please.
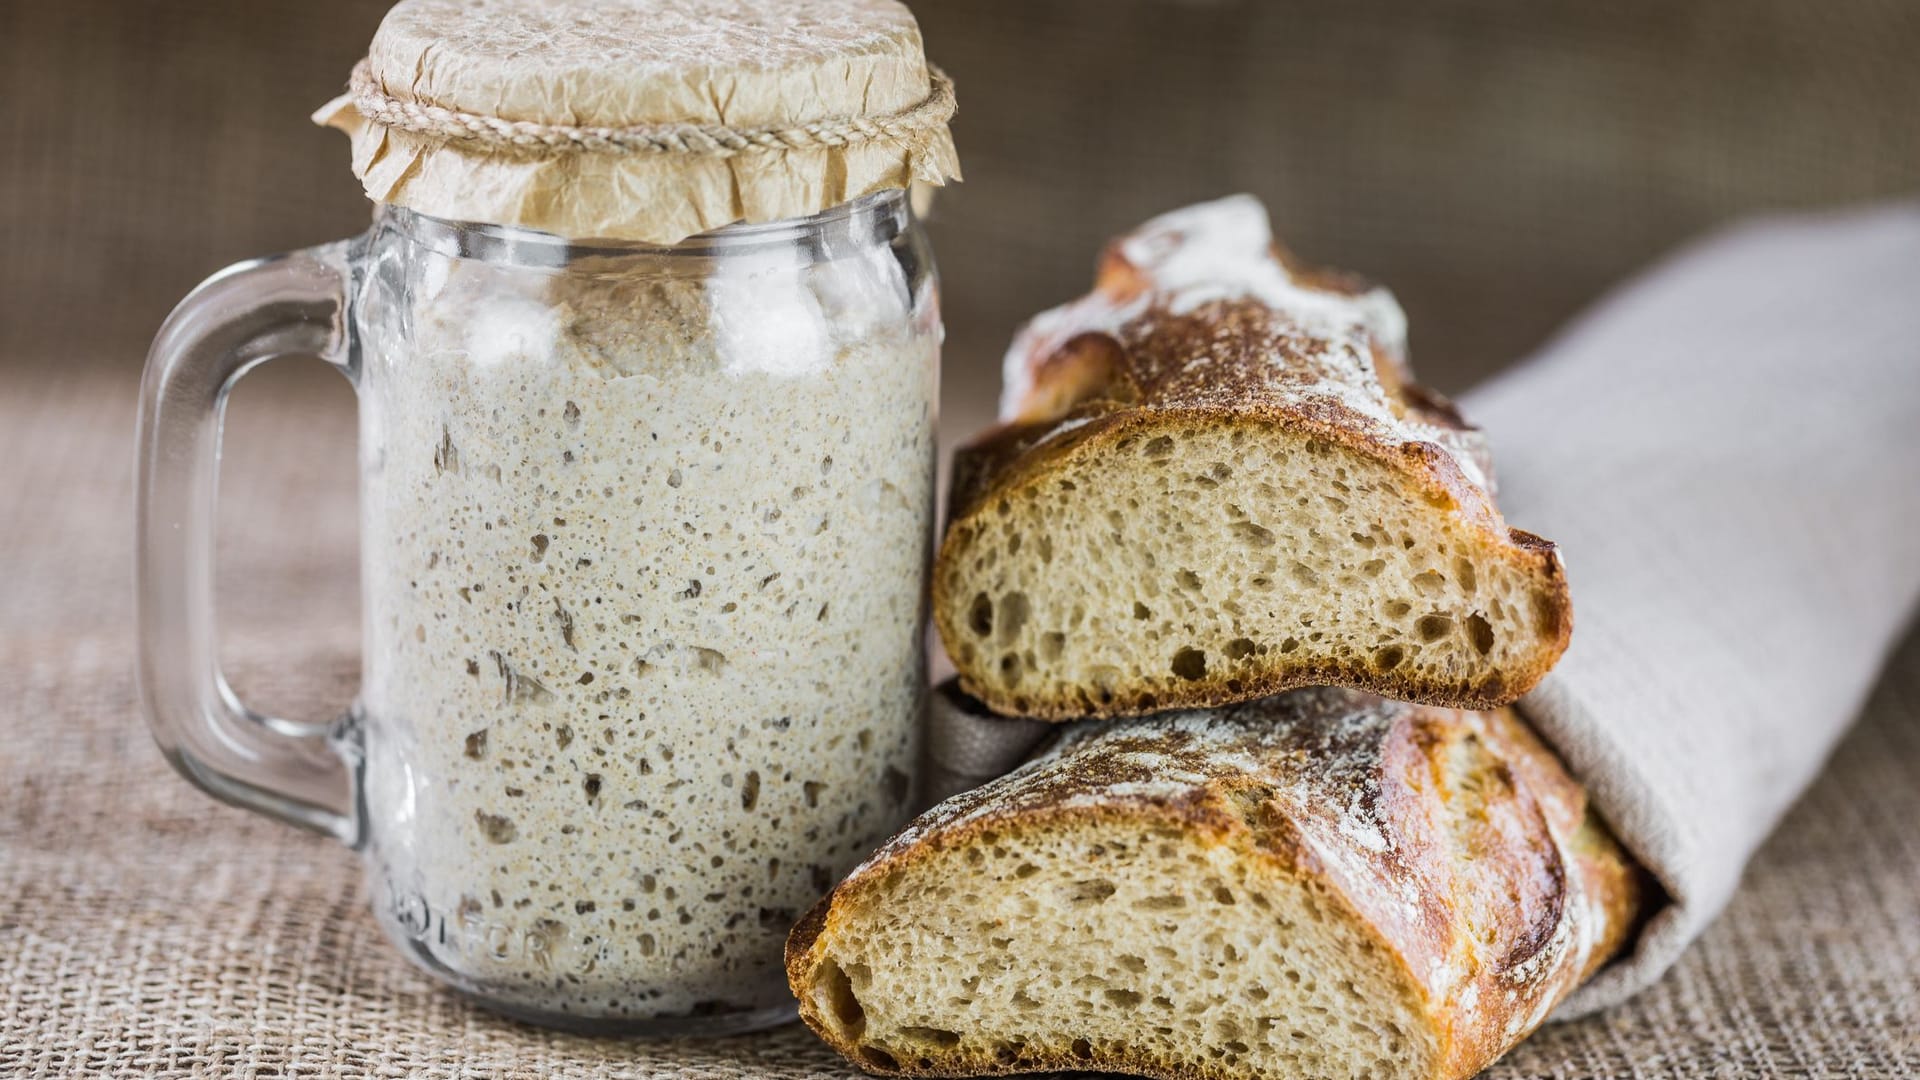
(251, 312)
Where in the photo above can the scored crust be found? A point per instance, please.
(1430, 882)
(1213, 392)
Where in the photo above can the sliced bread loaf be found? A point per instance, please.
(1319, 884)
(1217, 480)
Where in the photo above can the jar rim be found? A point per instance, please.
(877, 217)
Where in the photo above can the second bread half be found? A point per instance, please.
(1217, 480)
(1316, 884)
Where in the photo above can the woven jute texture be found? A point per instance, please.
(146, 930)
(715, 140)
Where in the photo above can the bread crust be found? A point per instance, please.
(1142, 356)
(1518, 892)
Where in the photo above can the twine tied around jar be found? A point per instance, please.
(712, 140)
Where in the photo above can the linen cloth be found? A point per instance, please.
(1727, 452)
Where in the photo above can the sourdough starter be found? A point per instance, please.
(645, 564)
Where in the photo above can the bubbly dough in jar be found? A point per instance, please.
(646, 559)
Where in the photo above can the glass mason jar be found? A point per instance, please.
(645, 535)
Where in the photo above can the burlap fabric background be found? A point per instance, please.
(1496, 162)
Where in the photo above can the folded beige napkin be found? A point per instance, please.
(1727, 451)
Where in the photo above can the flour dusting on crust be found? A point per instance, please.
(1446, 831)
(1193, 295)
(1338, 733)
